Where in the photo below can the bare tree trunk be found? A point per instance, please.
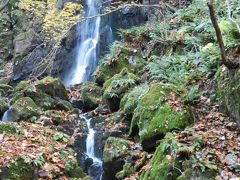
(224, 60)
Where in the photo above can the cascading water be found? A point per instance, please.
(96, 167)
(86, 59)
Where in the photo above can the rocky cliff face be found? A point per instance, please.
(34, 35)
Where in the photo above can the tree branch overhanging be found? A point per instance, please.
(4, 5)
(224, 60)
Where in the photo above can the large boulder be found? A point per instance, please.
(114, 153)
(25, 108)
(48, 93)
(172, 160)
(155, 116)
(86, 96)
(228, 92)
(53, 87)
(116, 87)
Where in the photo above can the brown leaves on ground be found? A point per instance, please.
(32, 141)
(219, 136)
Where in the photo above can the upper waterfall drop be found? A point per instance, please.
(86, 59)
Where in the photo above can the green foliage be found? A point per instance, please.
(130, 100)
(58, 136)
(134, 34)
(39, 160)
(7, 128)
(19, 170)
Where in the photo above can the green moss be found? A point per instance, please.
(118, 60)
(91, 95)
(128, 169)
(72, 170)
(165, 120)
(116, 87)
(19, 170)
(53, 87)
(25, 108)
(154, 117)
(7, 128)
(115, 148)
(163, 168)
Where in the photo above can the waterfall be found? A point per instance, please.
(86, 60)
(5, 116)
(95, 169)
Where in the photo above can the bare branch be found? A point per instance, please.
(227, 63)
(4, 5)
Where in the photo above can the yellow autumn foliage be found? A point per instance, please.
(55, 22)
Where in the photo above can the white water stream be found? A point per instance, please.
(90, 144)
(86, 59)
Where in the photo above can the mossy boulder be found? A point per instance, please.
(163, 165)
(154, 117)
(120, 57)
(25, 108)
(89, 98)
(53, 87)
(130, 100)
(3, 106)
(228, 92)
(48, 93)
(116, 87)
(17, 170)
(114, 153)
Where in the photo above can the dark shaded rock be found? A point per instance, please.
(95, 170)
(115, 151)
(86, 96)
(53, 87)
(24, 108)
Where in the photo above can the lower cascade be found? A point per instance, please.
(95, 170)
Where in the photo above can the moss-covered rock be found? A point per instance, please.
(163, 165)
(154, 117)
(48, 93)
(116, 87)
(228, 92)
(25, 108)
(121, 57)
(72, 170)
(87, 97)
(114, 153)
(53, 87)
(17, 170)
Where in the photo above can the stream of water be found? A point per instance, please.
(95, 170)
(86, 60)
